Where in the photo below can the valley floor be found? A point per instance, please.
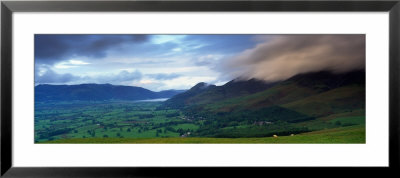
(349, 134)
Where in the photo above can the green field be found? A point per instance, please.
(146, 122)
(117, 119)
(352, 134)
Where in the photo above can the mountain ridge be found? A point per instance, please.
(257, 93)
(97, 92)
(199, 93)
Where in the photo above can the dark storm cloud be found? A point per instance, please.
(50, 49)
(163, 76)
(283, 56)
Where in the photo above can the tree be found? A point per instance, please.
(118, 134)
(105, 136)
(129, 130)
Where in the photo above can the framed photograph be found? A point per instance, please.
(141, 88)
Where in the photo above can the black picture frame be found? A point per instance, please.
(8, 7)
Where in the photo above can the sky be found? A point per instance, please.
(163, 62)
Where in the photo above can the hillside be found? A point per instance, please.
(301, 87)
(255, 94)
(97, 92)
(353, 134)
(203, 93)
(338, 100)
(180, 100)
(234, 109)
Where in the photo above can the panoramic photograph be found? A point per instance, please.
(199, 88)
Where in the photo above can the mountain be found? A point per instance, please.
(168, 93)
(179, 100)
(203, 93)
(254, 108)
(316, 89)
(296, 88)
(97, 92)
(325, 80)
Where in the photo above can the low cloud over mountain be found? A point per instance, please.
(282, 56)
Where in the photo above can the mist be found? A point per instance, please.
(279, 57)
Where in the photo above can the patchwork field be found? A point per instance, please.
(146, 122)
(352, 134)
(116, 119)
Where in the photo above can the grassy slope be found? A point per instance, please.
(356, 117)
(279, 94)
(351, 134)
(339, 100)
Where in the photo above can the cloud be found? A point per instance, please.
(123, 76)
(45, 75)
(282, 56)
(162, 76)
(70, 64)
(218, 44)
(159, 39)
(50, 48)
(186, 82)
(205, 60)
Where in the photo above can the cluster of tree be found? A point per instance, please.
(168, 124)
(170, 129)
(158, 131)
(224, 124)
(183, 131)
(119, 135)
(175, 114)
(273, 113)
(129, 109)
(92, 132)
(267, 130)
(50, 133)
(143, 116)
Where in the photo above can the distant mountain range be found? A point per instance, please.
(244, 108)
(97, 92)
(315, 94)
